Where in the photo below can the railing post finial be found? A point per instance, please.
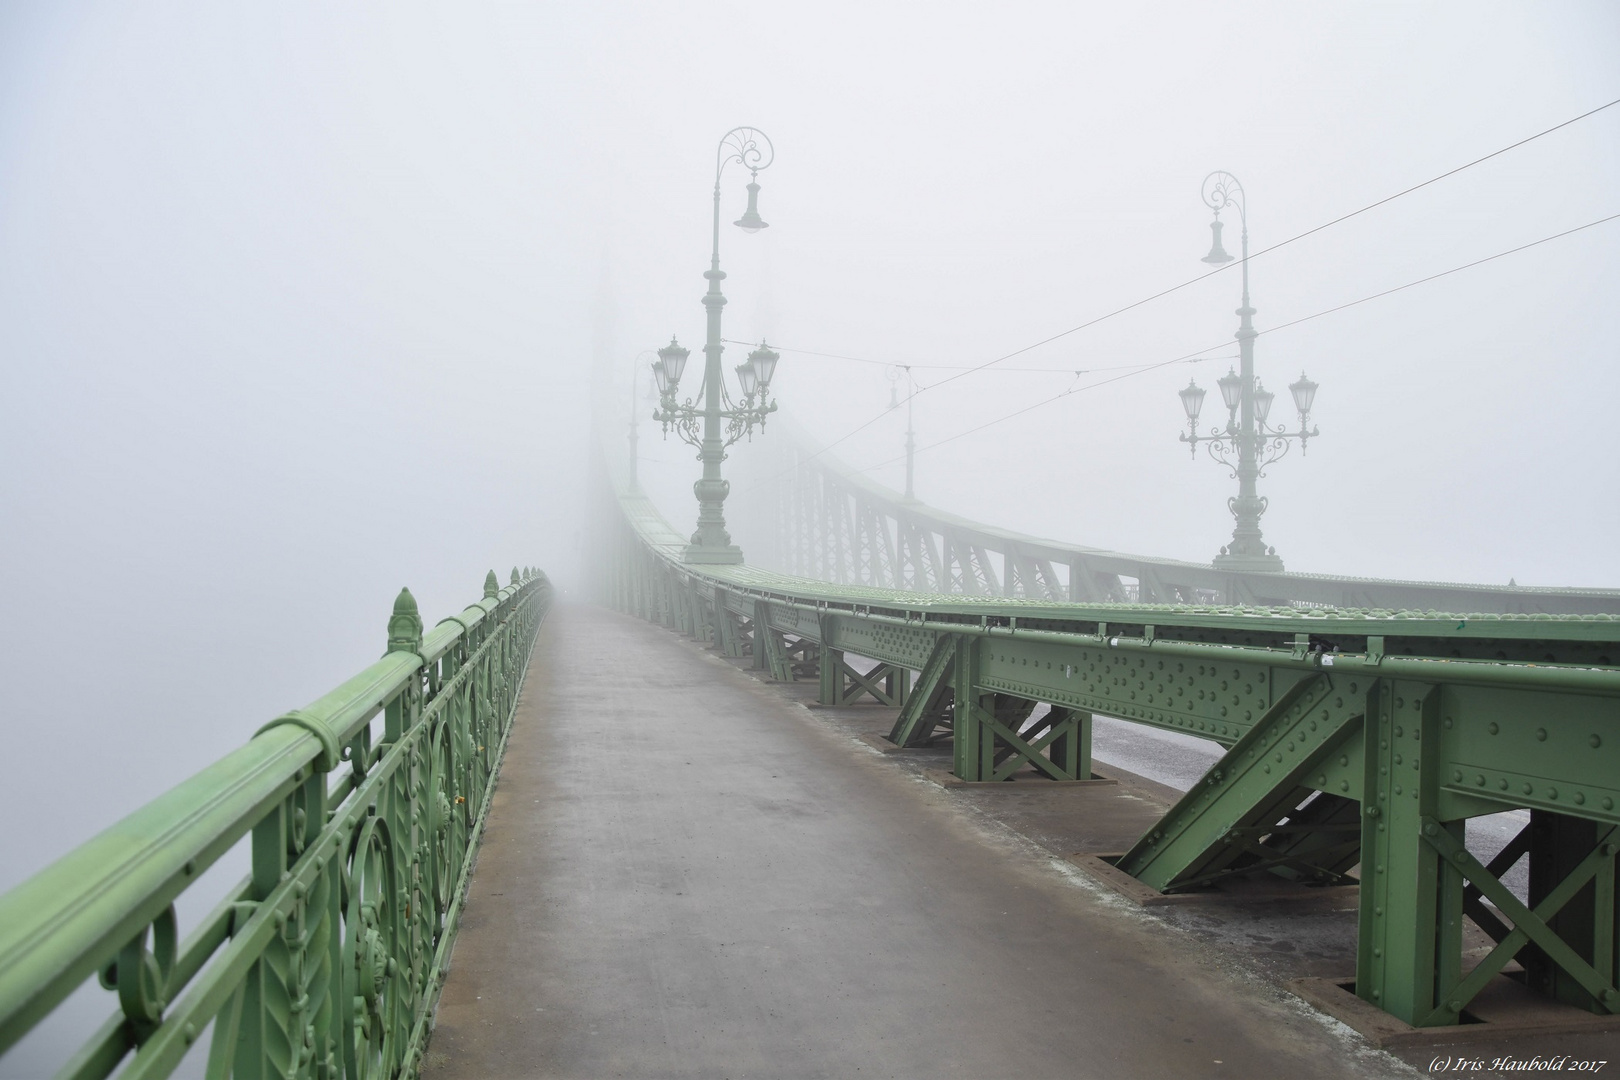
(492, 586)
(515, 579)
(405, 625)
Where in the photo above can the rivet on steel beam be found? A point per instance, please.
(1492, 728)
(1541, 734)
(1595, 742)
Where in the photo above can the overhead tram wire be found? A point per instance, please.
(1271, 330)
(955, 367)
(1263, 251)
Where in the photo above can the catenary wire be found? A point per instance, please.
(970, 370)
(1270, 330)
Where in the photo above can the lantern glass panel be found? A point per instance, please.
(1304, 392)
(764, 360)
(1192, 399)
(673, 358)
(1262, 403)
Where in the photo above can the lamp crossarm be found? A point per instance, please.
(685, 419)
(740, 423)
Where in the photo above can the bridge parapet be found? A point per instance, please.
(826, 520)
(363, 811)
(1353, 736)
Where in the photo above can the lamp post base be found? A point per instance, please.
(1261, 564)
(711, 556)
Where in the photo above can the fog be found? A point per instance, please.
(299, 304)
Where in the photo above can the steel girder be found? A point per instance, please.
(1379, 752)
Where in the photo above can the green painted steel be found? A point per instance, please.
(1352, 735)
(831, 523)
(327, 959)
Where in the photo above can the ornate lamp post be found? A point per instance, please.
(714, 406)
(1246, 444)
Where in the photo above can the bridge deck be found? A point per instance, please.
(687, 875)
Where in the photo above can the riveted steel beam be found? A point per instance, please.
(1350, 735)
(930, 700)
(1259, 784)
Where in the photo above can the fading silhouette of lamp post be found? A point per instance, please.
(723, 419)
(635, 415)
(903, 371)
(1246, 444)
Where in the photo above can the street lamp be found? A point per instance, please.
(1246, 444)
(711, 543)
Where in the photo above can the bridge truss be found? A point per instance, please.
(1352, 735)
(810, 515)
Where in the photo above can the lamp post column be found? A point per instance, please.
(635, 435)
(911, 440)
(1248, 550)
(1247, 543)
(712, 543)
(1247, 443)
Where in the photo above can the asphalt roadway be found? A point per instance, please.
(686, 873)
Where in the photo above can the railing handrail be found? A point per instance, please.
(72, 918)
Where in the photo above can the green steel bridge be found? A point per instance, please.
(1363, 724)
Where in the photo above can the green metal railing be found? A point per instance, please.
(327, 959)
(1351, 737)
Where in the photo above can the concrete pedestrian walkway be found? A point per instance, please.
(686, 874)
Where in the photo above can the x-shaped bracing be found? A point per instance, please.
(1529, 926)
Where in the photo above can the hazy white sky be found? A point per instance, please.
(297, 304)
